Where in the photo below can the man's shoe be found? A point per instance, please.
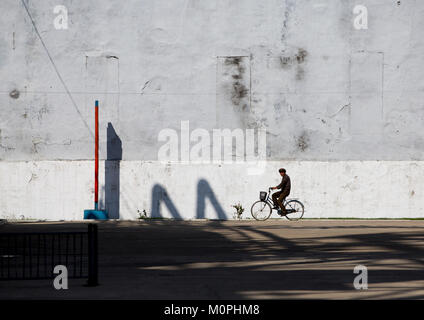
(281, 214)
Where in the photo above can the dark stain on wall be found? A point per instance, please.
(300, 73)
(288, 9)
(301, 55)
(298, 58)
(14, 94)
(239, 90)
(236, 61)
(302, 142)
(288, 61)
(285, 62)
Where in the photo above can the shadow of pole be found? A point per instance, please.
(112, 172)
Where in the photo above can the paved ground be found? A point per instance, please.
(276, 259)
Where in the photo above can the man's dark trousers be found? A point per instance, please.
(278, 198)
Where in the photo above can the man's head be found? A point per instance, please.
(282, 171)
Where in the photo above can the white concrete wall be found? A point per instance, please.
(336, 102)
(61, 190)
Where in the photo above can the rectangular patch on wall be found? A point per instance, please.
(366, 90)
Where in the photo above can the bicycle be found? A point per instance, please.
(261, 210)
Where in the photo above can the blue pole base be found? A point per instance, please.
(96, 214)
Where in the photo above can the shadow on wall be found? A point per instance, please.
(159, 194)
(112, 172)
(204, 191)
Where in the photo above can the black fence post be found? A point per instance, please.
(92, 256)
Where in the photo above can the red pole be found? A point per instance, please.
(96, 156)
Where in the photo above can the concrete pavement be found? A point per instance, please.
(275, 259)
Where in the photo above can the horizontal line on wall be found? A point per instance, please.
(211, 163)
(219, 94)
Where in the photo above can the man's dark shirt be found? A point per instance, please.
(285, 184)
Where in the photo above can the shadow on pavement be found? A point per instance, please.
(163, 259)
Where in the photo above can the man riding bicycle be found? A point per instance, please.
(278, 197)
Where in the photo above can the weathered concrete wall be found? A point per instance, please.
(326, 93)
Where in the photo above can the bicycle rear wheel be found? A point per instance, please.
(295, 210)
(261, 210)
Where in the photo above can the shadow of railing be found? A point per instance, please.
(159, 195)
(204, 191)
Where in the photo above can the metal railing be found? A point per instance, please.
(33, 255)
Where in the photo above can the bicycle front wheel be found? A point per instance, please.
(295, 210)
(261, 210)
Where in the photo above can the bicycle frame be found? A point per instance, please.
(271, 203)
